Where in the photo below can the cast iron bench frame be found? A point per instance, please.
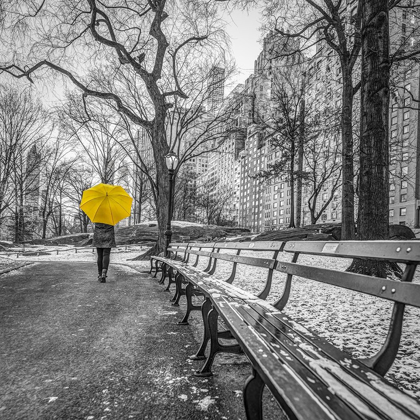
(331, 384)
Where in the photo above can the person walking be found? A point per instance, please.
(103, 240)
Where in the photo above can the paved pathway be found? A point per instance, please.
(72, 348)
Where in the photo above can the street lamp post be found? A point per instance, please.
(171, 163)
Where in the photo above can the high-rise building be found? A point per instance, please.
(215, 89)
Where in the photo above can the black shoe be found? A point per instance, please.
(103, 279)
(99, 278)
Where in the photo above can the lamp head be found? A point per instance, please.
(171, 161)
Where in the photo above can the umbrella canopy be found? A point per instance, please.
(105, 203)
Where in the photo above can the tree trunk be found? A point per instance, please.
(160, 150)
(44, 226)
(300, 163)
(347, 154)
(60, 220)
(374, 154)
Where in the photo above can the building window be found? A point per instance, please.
(404, 170)
(287, 219)
(403, 198)
(275, 213)
(281, 194)
(281, 220)
(281, 212)
(282, 185)
(393, 134)
(406, 129)
(407, 87)
(324, 196)
(394, 120)
(275, 205)
(281, 203)
(288, 201)
(407, 101)
(391, 199)
(403, 211)
(334, 215)
(391, 187)
(391, 213)
(406, 115)
(405, 156)
(275, 196)
(404, 184)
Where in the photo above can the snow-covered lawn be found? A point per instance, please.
(351, 321)
(179, 223)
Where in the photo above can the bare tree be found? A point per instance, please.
(210, 205)
(24, 127)
(298, 132)
(97, 137)
(153, 41)
(327, 25)
(374, 140)
(79, 179)
(53, 175)
(322, 172)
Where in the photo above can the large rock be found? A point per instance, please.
(398, 232)
(327, 232)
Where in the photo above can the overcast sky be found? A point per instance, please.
(243, 27)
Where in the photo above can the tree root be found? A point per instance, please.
(375, 268)
(154, 250)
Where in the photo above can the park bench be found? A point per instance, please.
(156, 261)
(184, 238)
(308, 376)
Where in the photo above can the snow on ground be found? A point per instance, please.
(179, 223)
(119, 255)
(354, 322)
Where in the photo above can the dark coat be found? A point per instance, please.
(103, 236)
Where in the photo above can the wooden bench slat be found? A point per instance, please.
(201, 253)
(401, 251)
(252, 246)
(254, 261)
(308, 347)
(294, 394)
(403, 292)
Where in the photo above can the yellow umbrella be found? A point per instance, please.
(105, 203)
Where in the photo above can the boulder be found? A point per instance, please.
(400, 232)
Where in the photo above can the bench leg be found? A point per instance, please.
(178, 283)
(155, 267)
(170, 277)
(215, 346)
(163, 277)
(252, 395)
(179, 290)
(205, 309)
(190, 307)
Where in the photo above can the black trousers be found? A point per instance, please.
(103, 258)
